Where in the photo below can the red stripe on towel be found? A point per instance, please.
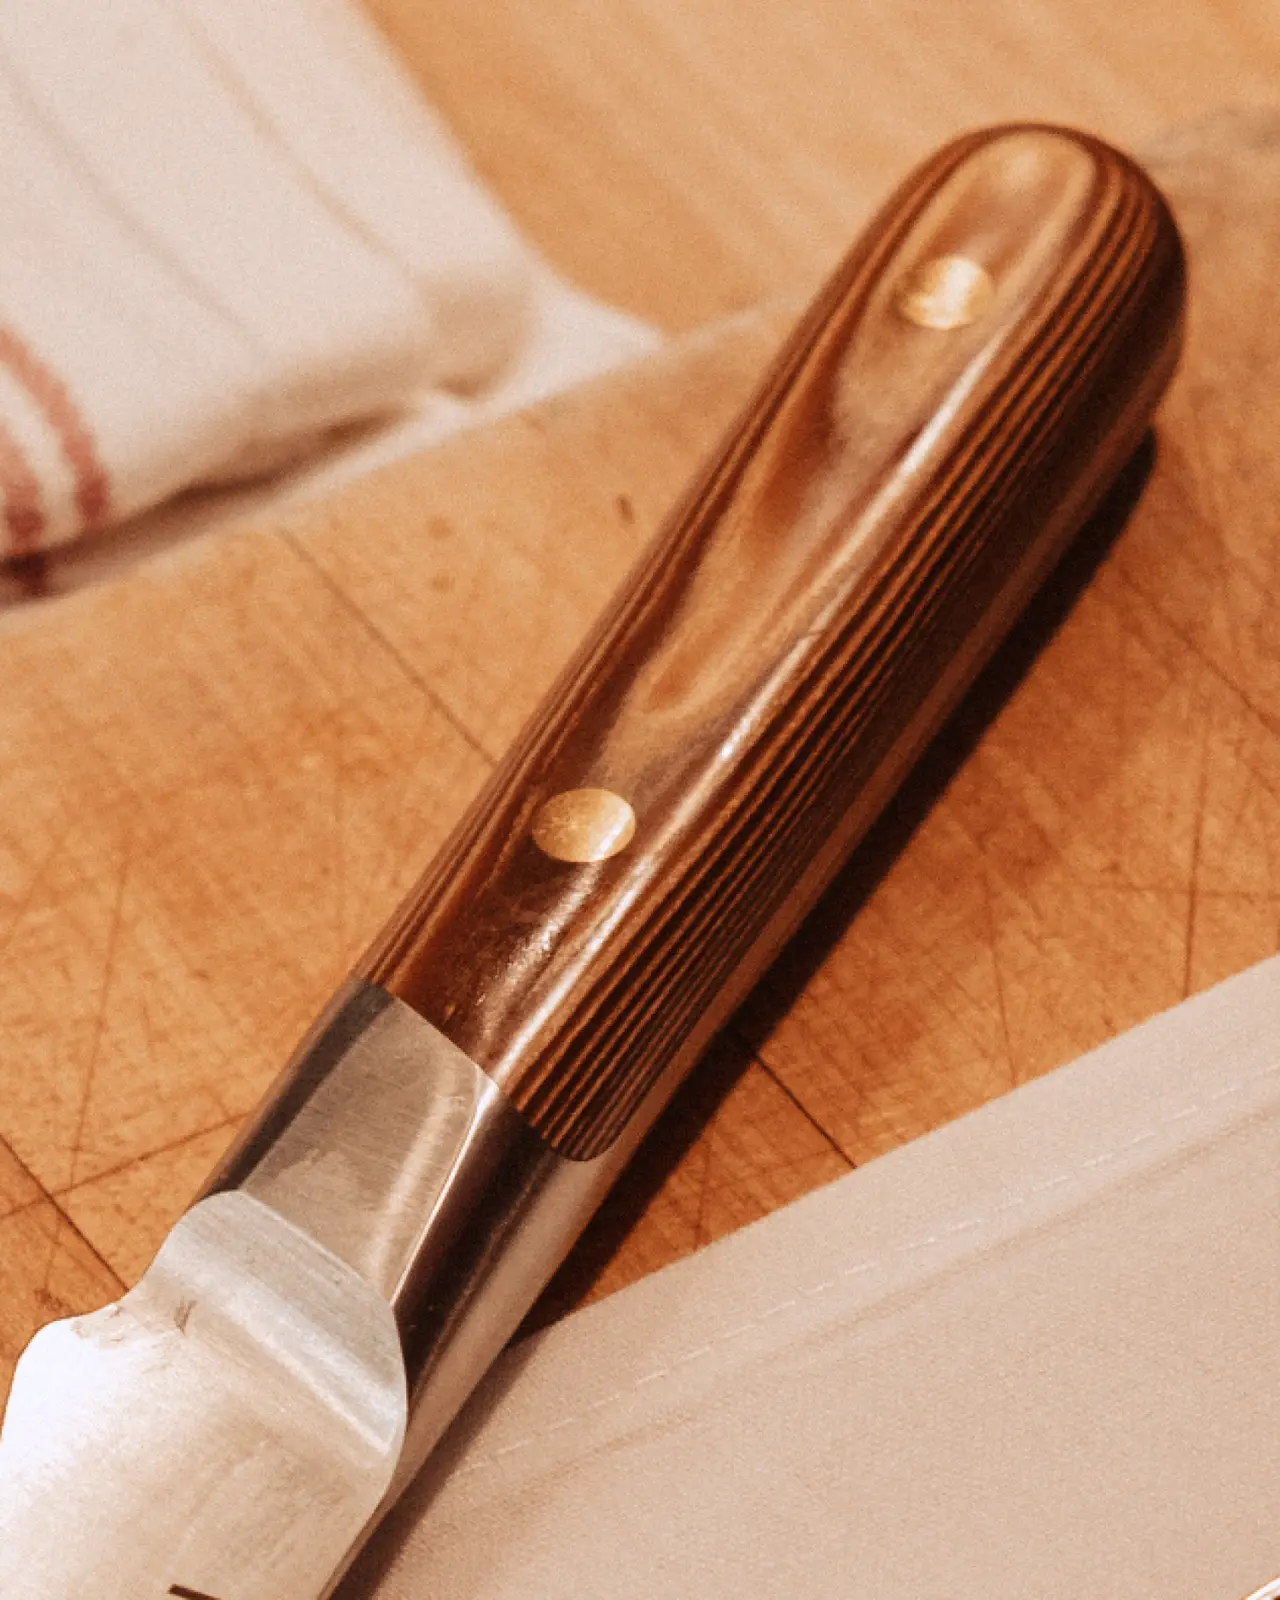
(50, 393)
(23, 512)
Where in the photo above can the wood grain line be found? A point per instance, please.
(63, 1224)
(23, 1206)
(109, 962)
(1203, 657)
(826, 1133)
(1193, 866)
(100, 1175)
(24, 1179)
(379, 637)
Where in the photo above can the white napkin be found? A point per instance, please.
(1034, 1356)
(232, 229)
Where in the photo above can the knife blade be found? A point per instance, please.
(948, 413)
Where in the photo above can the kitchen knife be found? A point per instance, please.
(950, 410)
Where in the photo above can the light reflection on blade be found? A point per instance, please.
(226, 1430)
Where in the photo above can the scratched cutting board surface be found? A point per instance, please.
(220, 771)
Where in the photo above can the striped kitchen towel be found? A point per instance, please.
(232, 230)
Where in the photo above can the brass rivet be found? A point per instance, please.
(584, 825)
(946, 292)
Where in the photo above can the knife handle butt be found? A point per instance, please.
(947, 414)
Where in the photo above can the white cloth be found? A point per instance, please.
(233, 229)
(1033, 1356)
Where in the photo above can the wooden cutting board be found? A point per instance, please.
(220, 771)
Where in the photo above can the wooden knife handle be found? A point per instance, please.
(949, 411)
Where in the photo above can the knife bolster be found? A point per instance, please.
(388, 1147)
